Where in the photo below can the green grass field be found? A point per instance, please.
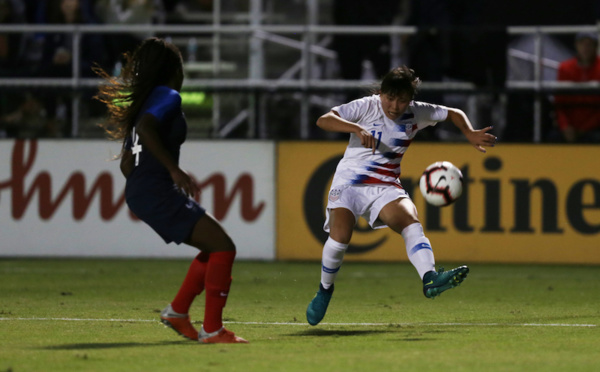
(102, 315)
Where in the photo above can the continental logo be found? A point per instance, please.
(314, 212)
(578, 204)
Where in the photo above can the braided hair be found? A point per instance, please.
(154, 62)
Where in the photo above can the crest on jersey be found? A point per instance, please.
(335, 194)
(406, 128)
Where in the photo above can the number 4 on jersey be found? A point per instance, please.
(136, 148)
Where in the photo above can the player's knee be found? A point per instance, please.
(230, 245)
(400, 223)
(340, 237)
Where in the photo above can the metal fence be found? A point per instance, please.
(299, 78)
(538, 85)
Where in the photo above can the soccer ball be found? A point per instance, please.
(441, 183)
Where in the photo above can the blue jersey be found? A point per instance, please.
(150, 192)
(164, 104)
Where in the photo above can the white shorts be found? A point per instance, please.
(363, 200)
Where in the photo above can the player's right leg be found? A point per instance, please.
(434, 283)
(209, 236)
(175, 315)
(179, 322)
(341, 224)
(401, 216)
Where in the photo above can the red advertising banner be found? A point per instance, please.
(65, 198)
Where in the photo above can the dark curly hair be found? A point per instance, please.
(154, 62)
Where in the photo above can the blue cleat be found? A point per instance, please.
(318, 306)
(434, 283)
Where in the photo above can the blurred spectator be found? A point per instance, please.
(170, 5)
(429, 50)
(131, 12)
(57, 58)
(58, 48)
(31, 7)
(354, 49)
(21, 114)
(452, 34)
(11, 45)
(20, 53)
(578, 116)
(183, 11)
(128, 12)
(27, 120)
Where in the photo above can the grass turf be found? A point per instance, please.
(102, 315)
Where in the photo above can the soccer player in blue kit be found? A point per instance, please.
(366, 182)
(145, 113)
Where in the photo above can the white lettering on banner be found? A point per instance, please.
(54, 197)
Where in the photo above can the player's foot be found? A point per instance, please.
(434, 283)
(318, 306)
(180, 323)
(222, 336)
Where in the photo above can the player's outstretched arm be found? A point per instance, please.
(479, 138)
(332, 122)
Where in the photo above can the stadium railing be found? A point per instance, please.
(256, 82)
(538, 85)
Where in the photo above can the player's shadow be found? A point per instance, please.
(338, 332)
(113, 345)
(396, 334)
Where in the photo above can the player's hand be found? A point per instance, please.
(480, 138)
(367, 139)
(186, 184)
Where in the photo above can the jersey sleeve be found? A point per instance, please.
(428, 114)
(163, 102)
(355, 110)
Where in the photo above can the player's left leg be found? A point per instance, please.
(209, 236)
(175, 315)
(333, 255)
(341, 225)
(401, 216)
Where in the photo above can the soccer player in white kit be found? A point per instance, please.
(366, 181)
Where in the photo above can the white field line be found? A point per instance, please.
(327, 324)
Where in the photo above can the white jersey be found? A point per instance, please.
(359, 165)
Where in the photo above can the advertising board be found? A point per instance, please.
(521, 204)
(65, 198)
